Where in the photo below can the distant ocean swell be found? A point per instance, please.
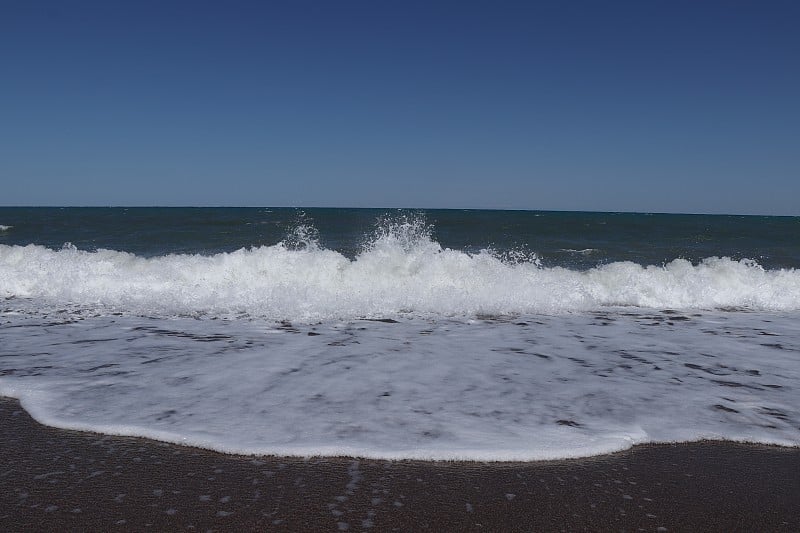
(401, 270)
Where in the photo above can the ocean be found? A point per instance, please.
(403, 334)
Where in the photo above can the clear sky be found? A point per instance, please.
(675, 106)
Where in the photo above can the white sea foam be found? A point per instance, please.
(535, 387)
(5, 228)
(585, 251)
(491, 357)
(401, 271)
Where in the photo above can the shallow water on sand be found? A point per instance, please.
(521, 388)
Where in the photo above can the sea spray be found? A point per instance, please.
(400, 270)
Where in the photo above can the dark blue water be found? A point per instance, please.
(572, 239)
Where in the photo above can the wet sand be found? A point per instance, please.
(55, 480)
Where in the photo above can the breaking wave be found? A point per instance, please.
(400, 270)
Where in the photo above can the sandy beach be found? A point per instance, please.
(55, 480)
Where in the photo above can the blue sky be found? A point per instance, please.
(627, 106)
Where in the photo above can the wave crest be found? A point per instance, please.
(400, 270)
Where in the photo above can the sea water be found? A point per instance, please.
(486, 335)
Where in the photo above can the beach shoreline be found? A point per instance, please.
(65, 480)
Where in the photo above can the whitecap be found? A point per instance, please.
(585, 251)
(401, 270)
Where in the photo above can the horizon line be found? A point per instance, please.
(122, 206)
